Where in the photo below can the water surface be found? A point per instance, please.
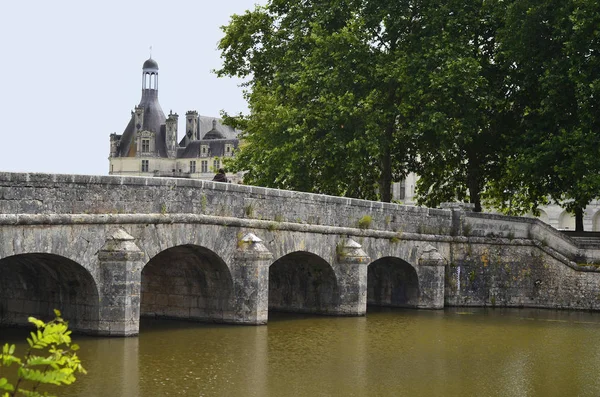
(454, 352)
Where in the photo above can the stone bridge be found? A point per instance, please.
(107, 250)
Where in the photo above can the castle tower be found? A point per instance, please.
(171, 134)
(191, 126)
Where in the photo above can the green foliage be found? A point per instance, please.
(365, 222)
(325, 95)
(50, 360)
(463, 120)
(203, 203)
(553, 50)
(492, 102)
(249, 210)
(396, 239)
(163, 209)
(467, 229)
(472, 276)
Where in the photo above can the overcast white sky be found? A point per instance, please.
(71, 74)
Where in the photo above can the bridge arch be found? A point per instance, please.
(392, 282)
(35, 284)
(189, 282)
(303, 282)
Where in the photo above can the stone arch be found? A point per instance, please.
(596, 222)
(35, 284)
(392, 282)
(566, 221)
(188, 282)
(544, 216)
(303, 282)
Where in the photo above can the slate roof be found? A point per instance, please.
(216, 147)
(150, 64)
(154, 120)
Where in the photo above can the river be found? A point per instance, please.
(390, 352)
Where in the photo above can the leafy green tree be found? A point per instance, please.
(326, 88)
(464, 119)
(50, 360)
(552, 48)
(344, 94)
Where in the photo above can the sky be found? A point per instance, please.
(72, 71)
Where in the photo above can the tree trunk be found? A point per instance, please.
(473, 186)
(579, 219)
(385, 180)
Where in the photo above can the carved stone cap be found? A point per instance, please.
(431, 257)
(250, 247)
(349, 251)
(120, 245)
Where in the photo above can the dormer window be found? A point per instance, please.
(228, 149)
(145, 145)
(204, 151)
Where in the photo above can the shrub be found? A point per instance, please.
(51, 359)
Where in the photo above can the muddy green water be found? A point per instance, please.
(455, 352)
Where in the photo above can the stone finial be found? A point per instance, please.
(431, 257)
(349, 251)
(252, 247)
(119, 244)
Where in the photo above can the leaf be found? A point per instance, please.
(4, 385)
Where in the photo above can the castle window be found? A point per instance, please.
(192, 167)
(204, 166)
(228, 150)
(145, 165)
(204, 151)
(145, 145)
(216, 164)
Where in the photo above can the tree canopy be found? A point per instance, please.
(492, 100)
(552, 50)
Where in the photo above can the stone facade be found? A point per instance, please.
(107, 250)
(150, 146)
(554, 215)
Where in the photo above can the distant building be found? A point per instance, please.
(149, 145)
(554, 215)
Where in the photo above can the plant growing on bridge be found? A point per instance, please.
(50, 360)
(249, 210)
(365, 222)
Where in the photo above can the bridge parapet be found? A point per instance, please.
(28, 193)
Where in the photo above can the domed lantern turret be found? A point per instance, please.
(150, 75)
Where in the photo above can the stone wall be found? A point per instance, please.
(79, 194)
(522, 274)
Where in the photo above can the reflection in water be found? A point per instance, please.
(391, 352)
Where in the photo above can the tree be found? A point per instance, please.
(57, 366)
(463, 119)
(552, 50)
(327, 93)
(344, 93)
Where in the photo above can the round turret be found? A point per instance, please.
(150, 64)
